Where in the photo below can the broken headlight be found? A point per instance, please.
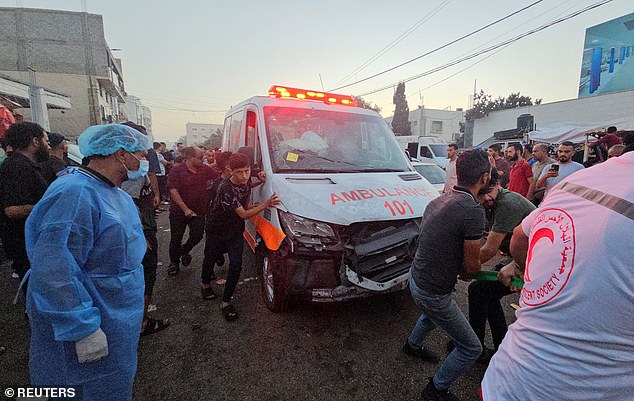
(306, 231)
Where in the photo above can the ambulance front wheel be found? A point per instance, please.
(274, 280)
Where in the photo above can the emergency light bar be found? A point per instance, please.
(303, 94)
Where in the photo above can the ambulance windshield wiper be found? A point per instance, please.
(316, 156)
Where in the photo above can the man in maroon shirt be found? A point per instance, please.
(520, 173)
(188, 182)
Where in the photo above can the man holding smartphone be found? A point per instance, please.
(556, 172)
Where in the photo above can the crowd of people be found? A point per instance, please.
(568, 341)
(83, 241)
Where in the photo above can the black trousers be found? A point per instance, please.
(150, 261)
(178, 223)
(216, 247)
(484, 304)
(162, 185)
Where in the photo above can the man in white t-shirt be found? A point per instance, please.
(452, 178)
(556, 172)
(574, 336)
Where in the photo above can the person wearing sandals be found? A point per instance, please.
(85, 241)
(226, 224)
(141, 191)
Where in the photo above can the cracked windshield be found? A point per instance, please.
(322, 141)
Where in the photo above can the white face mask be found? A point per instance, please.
(144, 168)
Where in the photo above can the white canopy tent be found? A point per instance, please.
(575, 132)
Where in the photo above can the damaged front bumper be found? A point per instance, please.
(358, 287)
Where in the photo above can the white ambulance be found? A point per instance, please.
(351, 203)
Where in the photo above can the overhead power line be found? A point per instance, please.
(439, 48)
(396, 41)
(489, 49)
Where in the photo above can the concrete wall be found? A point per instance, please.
(422, 122)
(198, 133)
(52, 41)
(71, 122)
(584, 111)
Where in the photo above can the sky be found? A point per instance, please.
(191, 60)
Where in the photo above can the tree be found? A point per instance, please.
(364, 104)
(483, 104)
(214, 141)
(400, 121)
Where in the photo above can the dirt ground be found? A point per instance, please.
(338, 351)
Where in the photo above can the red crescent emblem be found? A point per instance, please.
(539, 234)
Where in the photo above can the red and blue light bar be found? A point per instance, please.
(285, 92)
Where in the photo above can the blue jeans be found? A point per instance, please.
(442, 311)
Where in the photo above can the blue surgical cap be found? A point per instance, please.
(104, 140)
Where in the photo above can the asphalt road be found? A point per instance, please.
(340, 351)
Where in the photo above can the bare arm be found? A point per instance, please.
(542, 180)
(248, 213)
(531, 185)
(491, 246)
(471, 259)
(18, 212)
(519, 247)
(176, 197)
(155, 188)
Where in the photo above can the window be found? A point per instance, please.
(234, 133)
(436, 127)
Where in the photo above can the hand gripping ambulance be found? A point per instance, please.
(351, 203)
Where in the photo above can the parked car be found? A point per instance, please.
(432, 173)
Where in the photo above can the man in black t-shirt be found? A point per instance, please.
(57, 156)
(448, 246)
(22, 185)
(225, 225)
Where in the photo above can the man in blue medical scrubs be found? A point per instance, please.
(85, 297)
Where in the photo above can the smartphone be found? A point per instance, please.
(555, 167)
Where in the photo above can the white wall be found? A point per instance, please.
(433, 122)
(595, 110)
(198, 133)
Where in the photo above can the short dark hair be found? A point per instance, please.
(136, 126)
(156, 145)
(238, 160)
(517, 146)
(611, 130)
(470, 166)
(222, 159)
(179, 143)
(495, 147)
(567, 143)
(163, 144)
(20, 135)
(453, 145)
(529, 148)
(189, 152)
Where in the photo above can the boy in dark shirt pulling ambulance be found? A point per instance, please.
(226, 223)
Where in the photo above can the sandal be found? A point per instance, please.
(207, 293)
(154, 326)
(229, 312)
(172, 270)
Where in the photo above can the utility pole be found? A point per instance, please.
(39, 113)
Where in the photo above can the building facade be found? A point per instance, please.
(198, 133)
(444, 124)
(135, 111)
(68, 53)
(592, 112)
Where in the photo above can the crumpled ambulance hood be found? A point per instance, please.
(346, 198)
